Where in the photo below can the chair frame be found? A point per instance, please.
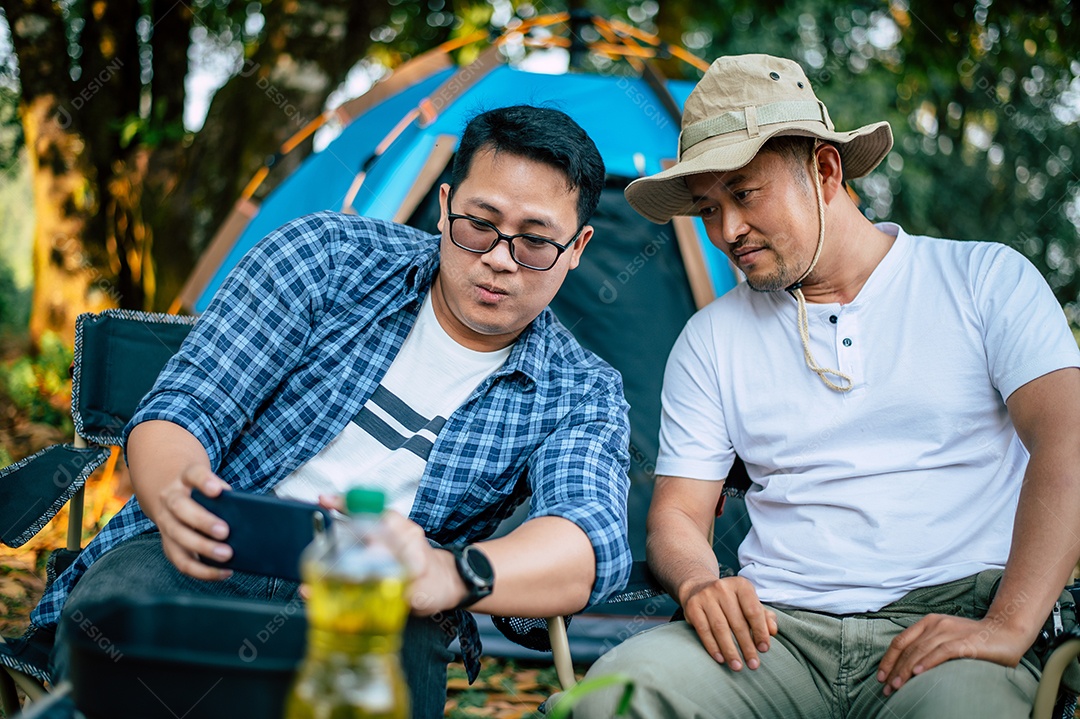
(1048, 698)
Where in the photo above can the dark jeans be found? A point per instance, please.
(138, 568)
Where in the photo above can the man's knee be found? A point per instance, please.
(658, 661)
(673, 675)
(964, 688)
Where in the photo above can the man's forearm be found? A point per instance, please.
(679, 554)
(157, 452)
(1046, 536)
(1046, 540)
(544, 567)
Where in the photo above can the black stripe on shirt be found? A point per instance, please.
(388, 437)
(409, 418)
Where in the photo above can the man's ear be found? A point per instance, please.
(579, 245)
(444, 197)
(830, 170)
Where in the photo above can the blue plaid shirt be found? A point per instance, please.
(299, 337)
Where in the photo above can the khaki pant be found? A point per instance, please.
(818, 666)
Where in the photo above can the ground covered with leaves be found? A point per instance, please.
(505, 689)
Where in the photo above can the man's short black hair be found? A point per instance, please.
(541, 134)
(797, 150)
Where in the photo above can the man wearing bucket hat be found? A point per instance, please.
(908, 409)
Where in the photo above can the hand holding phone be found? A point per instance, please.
(267, 534)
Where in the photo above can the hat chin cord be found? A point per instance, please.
(795, 289)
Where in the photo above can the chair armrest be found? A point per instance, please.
(641, 585)
(34, 489)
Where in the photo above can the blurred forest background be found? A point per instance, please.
(128, 129)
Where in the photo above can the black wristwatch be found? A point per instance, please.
(475, 571)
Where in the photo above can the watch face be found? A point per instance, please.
(479, 564)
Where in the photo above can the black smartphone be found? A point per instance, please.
(267, 534)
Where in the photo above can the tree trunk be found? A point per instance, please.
(111, 71)
(119, 223)
(169, 256)
(306, 51)
(68, 276)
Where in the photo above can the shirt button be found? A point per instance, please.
(847, 341)
(832, 318)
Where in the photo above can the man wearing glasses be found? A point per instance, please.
(344, 350)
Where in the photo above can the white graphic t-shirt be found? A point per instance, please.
(386, 445)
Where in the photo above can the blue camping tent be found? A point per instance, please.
(625, 116)
(636, 286)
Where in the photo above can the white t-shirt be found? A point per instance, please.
(911, 479)
(386, 445)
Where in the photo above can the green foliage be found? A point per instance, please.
(150, 133)
(983, 99)
(39, 386)
(473, 698)
(14, 303)
(16, 238)
(11, 135)
(413, 28)
(505, 688)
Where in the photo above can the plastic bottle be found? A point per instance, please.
(356, 612)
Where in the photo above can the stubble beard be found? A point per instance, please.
(779, 279)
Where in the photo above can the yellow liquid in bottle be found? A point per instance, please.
(352, 669)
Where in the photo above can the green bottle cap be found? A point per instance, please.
(361, 500)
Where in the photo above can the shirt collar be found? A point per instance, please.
(530, 349)
(420, 271)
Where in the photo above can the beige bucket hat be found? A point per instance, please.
(742, 101)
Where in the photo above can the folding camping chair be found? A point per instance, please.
(118, 355)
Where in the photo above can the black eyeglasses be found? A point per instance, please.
(480, 237)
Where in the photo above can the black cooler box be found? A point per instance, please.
(184, 657)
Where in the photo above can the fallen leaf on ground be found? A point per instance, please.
(516, 699)
(12, 589)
